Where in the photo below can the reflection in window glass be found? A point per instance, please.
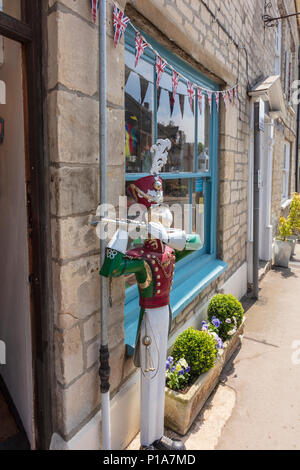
(203, 137)
(138, 114)
(176, 121)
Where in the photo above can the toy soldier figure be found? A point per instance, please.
(153, 264)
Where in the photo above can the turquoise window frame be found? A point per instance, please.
(202, 266)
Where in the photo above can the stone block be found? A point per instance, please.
(116, 360)
(80, 7)
(77, 402)
(69, 355)
(73, 128)
(92, 354)
(116, 139)
(80, 287)
(74, 190)
(74, 236)
(72, 57)
(91, 327)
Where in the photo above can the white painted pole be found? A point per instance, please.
(104, 370)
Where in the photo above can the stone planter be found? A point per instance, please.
(293, 242)
(181, 409)
(282, 253)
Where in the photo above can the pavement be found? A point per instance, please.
(256, 405)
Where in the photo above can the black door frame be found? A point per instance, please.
(29, 32)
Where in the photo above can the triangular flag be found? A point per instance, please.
(172, 102)
(127, 73)
(175, 81)
(191, 94)
(95, 8)
(209, 96)
(181, 102)
(224, 94)
(160, 66)
(217, 95)
(200, 98)
(236, 92)
(140, 46)
(158, 97)
(120, 24)
(230, 94)
(144, 87)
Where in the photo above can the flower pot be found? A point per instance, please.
(293, 241)
(282, 253)
(181, 409)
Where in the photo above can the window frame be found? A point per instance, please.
(204, 267)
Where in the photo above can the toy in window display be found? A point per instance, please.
(153, 264)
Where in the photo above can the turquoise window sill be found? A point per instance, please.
(193, 274)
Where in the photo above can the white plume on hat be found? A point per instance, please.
(159, 152)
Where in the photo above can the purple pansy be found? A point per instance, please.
(216, 322)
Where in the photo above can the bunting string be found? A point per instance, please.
(121, 21)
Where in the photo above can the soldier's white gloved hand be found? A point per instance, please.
(158, 231)
(119, 241)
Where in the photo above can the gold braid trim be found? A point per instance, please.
(144, 285)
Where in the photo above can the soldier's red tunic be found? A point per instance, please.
(161, 260)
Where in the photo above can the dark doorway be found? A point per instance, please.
(24, 213)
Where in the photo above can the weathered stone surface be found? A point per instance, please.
(115, 69)
(73, 128)
(91, 328)
(115, 141)
(116, 361)
(69, 355)
(74, 236)
(72, 60)
(80, 287)
(78, 401)
(92, 353)
(81, 7)
(116, 178)
(74, 190)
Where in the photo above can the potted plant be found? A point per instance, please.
(282, 247)
(294, 220)
(197, 359)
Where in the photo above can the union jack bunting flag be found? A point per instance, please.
(209, 95)
(217, 95)
(236, 93)
(224, 94)
(230, 94)
(140, 46)
(95, 7)
(200, 97)
(175, 81)
(191, 94)
(160, 66)
(120, 24)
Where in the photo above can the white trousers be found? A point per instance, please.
(155, 325)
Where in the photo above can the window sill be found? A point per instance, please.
(205, 269)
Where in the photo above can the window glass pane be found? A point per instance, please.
(11, 7)
(203, 137)
(198, 220)
(176, 123)
(138, 114)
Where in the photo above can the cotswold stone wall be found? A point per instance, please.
(241, 50)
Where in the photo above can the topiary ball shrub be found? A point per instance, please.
(229, 311)
(198, 348)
